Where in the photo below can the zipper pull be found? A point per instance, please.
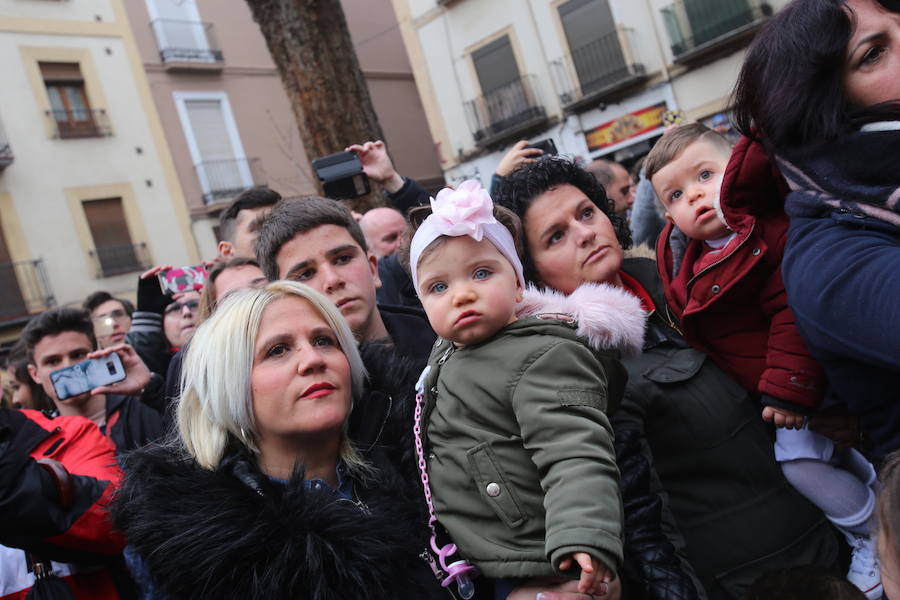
(446, 355)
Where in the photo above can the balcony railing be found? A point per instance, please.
(598, 69)
(119, 259)
(222, 180)
(698, 26)
(189, 42)
(6, 155)
(79, 123)
(506, 111)
(24, 289)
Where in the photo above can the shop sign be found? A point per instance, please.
(626, 127)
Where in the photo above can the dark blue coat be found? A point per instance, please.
(842, 273)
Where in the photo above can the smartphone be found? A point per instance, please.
(342, 175)
(548, 146)
(182, 279)
(82, 377)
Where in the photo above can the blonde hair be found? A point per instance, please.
(216, 398)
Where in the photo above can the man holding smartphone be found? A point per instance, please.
(63, 337)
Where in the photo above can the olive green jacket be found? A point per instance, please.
(519, 447)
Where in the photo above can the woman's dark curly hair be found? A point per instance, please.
(519, 189)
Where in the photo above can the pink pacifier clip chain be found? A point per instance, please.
(459, 571)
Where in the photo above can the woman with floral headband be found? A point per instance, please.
(515, 448)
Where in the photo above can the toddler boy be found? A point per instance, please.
(719, 258)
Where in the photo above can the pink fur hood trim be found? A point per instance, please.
(608, 317)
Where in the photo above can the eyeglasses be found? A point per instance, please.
(117, 314)
(177, 306)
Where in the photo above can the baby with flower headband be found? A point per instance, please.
(515, 449)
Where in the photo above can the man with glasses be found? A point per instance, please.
(111, 317)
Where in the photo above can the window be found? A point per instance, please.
(180, 34)
(509, 103)
(114, 250)
(69, 105)
(593, 42)
(215, 146)
(495, 65)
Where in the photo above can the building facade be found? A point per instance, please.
(599, 77)
(89, 195)
(227, 118)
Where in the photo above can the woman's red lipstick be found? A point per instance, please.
(317, 390)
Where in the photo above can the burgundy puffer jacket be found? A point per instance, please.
(736, 307)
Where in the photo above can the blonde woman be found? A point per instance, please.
(263, 495)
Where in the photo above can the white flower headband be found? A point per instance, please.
(467, 210)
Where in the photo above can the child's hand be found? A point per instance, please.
(783, 418)
(593, 572)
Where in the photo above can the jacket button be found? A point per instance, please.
(716, 289)
(492, 489)
(756, 252)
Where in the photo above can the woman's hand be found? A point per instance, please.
(155, 271)
(517, 156)
(842, 429)
(566, 591)
(137, 375)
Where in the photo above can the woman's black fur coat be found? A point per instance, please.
(233, 533)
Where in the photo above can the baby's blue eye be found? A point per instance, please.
(438, 288)
(704, 175)
(676, 195)
(482, 274)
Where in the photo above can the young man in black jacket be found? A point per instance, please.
(316, 241)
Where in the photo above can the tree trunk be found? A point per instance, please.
(311, 46)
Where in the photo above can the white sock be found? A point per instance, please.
(846, 500)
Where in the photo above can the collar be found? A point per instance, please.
(344, 488)
(634, 286)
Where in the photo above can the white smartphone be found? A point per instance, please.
(82, 377)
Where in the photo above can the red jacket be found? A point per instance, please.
(76, 535)
(736, 308)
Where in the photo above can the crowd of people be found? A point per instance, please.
(489, 393)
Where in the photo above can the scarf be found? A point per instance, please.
(856, 176)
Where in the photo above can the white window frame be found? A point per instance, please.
(181, 99)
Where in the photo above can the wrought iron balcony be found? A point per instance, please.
(222, 180)
(119, 259)
(79, 123)
(24, 289)
(187, 44)
(6, 154)
(698, 28)
(597, 70)
(506, 112)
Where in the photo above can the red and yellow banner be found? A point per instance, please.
(626, 127)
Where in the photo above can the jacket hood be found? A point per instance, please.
(752, 186)
(607, 317)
